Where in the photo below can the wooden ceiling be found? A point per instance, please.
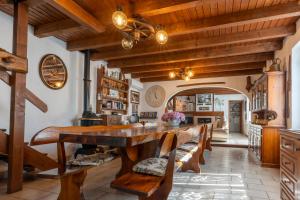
(214, 37)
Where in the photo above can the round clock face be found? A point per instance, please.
(155, 96)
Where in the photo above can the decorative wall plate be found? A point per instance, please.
(53, 72)
(155, 96)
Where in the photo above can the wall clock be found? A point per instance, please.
(53, 72)
(155, 96)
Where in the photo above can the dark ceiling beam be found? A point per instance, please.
(34, 3)
(201, 70)
(190, 55)
(78, 14)
(56, 28)
(149, 8)
(281, 11)
(202, 63)
(207, 75)
(150, 48)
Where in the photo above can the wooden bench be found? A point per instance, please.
(71, 178)
(209, 138)
(190, 155)
(148, 186)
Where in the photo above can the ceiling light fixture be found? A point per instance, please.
(119, 18)
(127, 43)
(184, 73)
(161, 36)
(136, 29)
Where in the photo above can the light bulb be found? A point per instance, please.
(58, 84)
(190, 73)
(127, 43)
(161, 37)
(172, 74)
(119, 19)
(186, 78)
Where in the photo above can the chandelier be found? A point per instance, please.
(184, 73)
(136, 29)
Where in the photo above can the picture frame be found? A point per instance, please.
(134, 97)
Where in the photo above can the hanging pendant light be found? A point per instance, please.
(172, 74)
(119, 18)
(161, 36)
(187, 78)
(127, 43)
(190, 73)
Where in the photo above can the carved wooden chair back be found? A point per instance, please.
(203, 138)
(211, 131)
(167, 144)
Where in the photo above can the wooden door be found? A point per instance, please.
(235, 116)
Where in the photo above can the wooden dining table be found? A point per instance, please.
(135, 143)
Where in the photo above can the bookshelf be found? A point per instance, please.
(112, 93)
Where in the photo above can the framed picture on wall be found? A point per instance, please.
(134, 97)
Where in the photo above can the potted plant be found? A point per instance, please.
(173, 118)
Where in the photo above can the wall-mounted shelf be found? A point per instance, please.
(112, 93)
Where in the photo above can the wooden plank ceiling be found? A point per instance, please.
(214, 37)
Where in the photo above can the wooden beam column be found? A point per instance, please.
(17, 113)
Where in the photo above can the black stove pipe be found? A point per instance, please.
(86, 82)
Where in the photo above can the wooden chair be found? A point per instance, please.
(148, 186)
(192, 153)
(209, 139)
(203, 145)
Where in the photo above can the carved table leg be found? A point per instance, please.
(192, 164)
(208, 144)
(71, 186)
(129, 156)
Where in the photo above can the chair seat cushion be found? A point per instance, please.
(182, 156)
(91, 160)
(190, 147)
(152, 166)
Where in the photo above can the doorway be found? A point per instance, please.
(235, 116)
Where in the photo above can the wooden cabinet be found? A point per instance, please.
(109, 120)
(268, 117)
(264, 143)
(289, 164)
(268, 95)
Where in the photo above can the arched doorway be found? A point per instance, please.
(226, 108)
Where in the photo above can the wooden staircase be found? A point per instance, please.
(33, 159)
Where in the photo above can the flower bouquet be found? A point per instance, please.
(173, 118)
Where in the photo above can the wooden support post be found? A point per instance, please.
(17, 113)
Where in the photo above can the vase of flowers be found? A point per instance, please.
(173, 118)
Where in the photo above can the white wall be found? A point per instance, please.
(237, 82)
(62, 104)
(284, 54)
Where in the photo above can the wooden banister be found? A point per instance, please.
(32, 98)
(3, 143)
(11, 62)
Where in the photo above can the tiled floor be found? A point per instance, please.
(229, 173)
(235, 139)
